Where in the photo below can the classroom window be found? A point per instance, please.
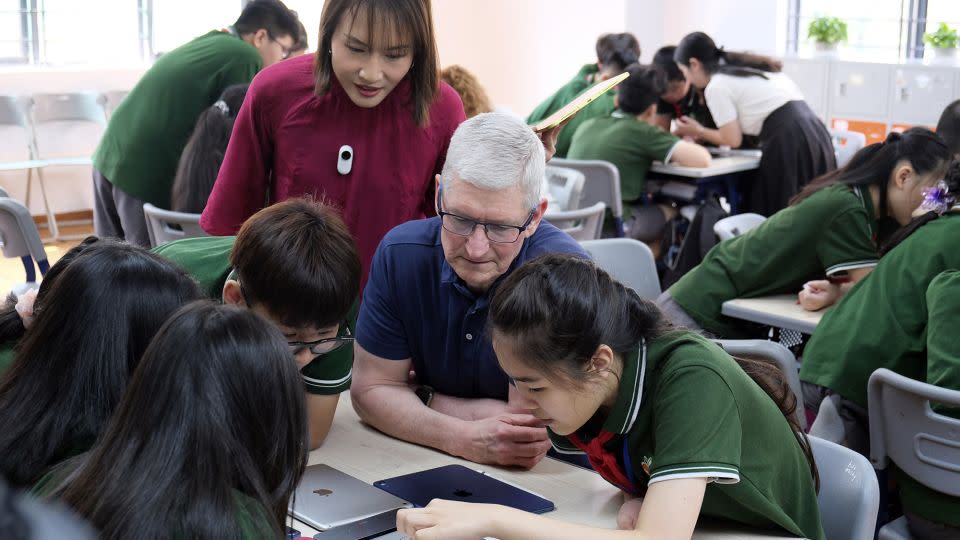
(938, 11)
(172, 29)
(13, 34)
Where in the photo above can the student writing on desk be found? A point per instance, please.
(425, 304)
(830, 230)
(661, 413)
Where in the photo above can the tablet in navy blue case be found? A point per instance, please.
(459, 483)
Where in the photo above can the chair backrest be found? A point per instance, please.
(112, 99)
(71, 107)
(13, 112)
(923, 443)
(601, 182)
(566, 187)
(628, 261)
(849, 497)
(166, 226)
(733, 226)
(846, 144)
(581, 224)
(19, 236)
(776, 353)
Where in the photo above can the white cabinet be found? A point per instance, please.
(920, 93)
(860, 90)
(811, 75)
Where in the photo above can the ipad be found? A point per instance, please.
(330, 500)
(581, 101)
(459, 483)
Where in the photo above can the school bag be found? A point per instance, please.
(697, 241)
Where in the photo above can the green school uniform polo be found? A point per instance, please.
(146, 134)
(882, 321)
(630, 144)
(688, 410)
(943, 369)
(602, 106)
(7, 353)
(207, 259)
(826, 234)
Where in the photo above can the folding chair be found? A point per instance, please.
(628, 261)
(733, 226)
(846, 144)
(166, 226)
(19, 238)
(601, 184)
(581, 224)
(849, 497)
(924, 444)
(566, 187)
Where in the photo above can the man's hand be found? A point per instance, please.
(506, 439)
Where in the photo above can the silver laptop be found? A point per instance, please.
(334, 502)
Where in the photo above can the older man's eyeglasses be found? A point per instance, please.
(496, 232)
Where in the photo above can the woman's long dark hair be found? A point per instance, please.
(953, 185)
(202, 156)
(212, 426)
(872, 165)
(716, 60)
(11, 325)
(73, 364)
(557, 309)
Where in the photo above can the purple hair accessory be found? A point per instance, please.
(937, 198)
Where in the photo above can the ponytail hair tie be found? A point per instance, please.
(937, 198)
(24, 306)
(222, 105)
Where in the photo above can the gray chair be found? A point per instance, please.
(849, 497)
(166, 226)
(566, 187)
(112, 99)
(19, 238)
(628, 261)
(581, 224)
(776, 353)
(904, 429)
(82, 107)
(601, 184)
(733, 226)
(846, 144)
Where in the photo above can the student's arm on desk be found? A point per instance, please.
(728, 134)
(383, 398)
(669, 511)
(821, 293)
(320, 411)
(688, 154)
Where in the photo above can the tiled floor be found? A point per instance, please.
(11, 270)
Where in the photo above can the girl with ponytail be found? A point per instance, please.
(746, 97)
(823, 243)
(660, 413)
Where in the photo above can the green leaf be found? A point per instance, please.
(827, 30)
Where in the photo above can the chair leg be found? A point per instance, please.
(29, 184)
(28, 268)
(51, 219)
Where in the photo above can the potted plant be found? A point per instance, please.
(944, 41)
(827, 32)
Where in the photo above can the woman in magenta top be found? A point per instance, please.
(373, 86)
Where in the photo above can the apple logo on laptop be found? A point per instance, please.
(462, 493)
(323, 492)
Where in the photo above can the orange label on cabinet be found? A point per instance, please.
(874, 131)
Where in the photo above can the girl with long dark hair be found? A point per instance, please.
(73, 364)
(209, 441)
(746, 99)
(660, 413)
(827, 240)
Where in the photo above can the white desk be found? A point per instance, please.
(781, 311)
(718, 166)
(581, 496)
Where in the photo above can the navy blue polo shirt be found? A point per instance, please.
(415, 306)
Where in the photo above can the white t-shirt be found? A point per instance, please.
(748, 99)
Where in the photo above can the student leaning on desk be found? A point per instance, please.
(830, 230)
(661, 413)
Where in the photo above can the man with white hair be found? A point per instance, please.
(424, 369)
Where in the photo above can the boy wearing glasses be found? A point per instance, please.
(425, 303)
(294, 263)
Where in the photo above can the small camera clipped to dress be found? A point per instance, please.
(345, 159)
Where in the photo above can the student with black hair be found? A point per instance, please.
(614, 53)
(209, 440)
(203, 154)
(630, 139)
(746, 99)
(679, 97)
(17, 313)
(948, 127)
(661, 413)
(826, 240)
(295, 264)
(300, 47)
(74, 363)
(136, 159)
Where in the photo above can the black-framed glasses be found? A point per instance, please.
(322, 346)
(284, 51)
(496, 232)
